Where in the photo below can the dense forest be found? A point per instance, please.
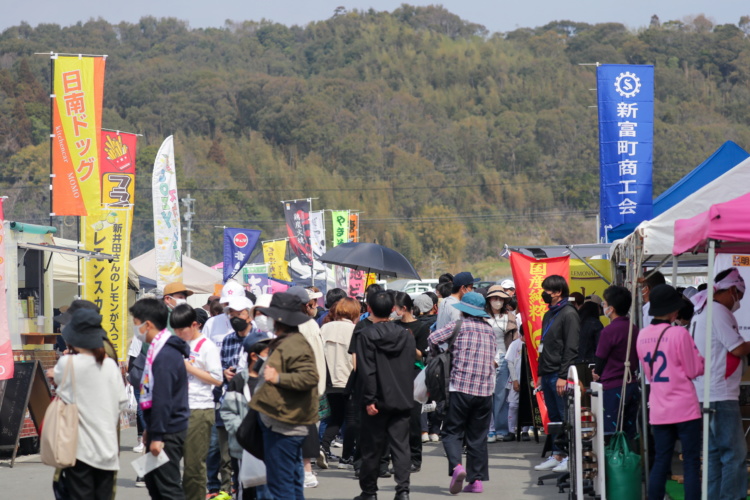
(451, 140)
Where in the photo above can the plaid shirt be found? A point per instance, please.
(472, 367)
(231, 349)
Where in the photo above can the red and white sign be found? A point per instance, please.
(240, 240)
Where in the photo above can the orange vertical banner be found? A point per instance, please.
(78, 90)
(528, 274)
(354, 227)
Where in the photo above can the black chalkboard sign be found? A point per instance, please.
(27, 389)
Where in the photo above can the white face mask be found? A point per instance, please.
(736, 305)
(264, 323)
(179, 302)
(496, 304)
(607, 311)
(138, 334)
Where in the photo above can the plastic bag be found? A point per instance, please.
(132, 402)
(420, 388)
(623, 469)
(252, 471)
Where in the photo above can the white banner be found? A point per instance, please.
(167, 237)
(317, 234)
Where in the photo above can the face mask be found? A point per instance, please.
(607, 311)
(137, 330)
(395, 316)
(496, 304)
(238, 324)
(736, 304)
(547, 298)
(179, 302)
(264, 323)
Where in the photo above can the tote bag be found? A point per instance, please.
(59, 440)
(252, 471)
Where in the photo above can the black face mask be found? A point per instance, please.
(546, 297)
(238, 324)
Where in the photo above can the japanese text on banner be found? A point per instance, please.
(105, 282)
(274, 255)
(78, 85)
(626, 130)
(340, 219)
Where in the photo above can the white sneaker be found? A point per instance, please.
(140, 447)
(310, 480)
(563, 467)
(548, 464)
(425, 437)
(491, 437)
(434, 438)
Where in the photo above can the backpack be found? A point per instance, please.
(438, 370)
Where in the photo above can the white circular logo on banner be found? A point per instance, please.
(627, 84)
(240, 240)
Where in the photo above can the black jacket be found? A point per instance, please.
(588, 339)
(560, 342)
(169, 412)
(385, 366)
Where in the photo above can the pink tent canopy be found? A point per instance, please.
(724, 222)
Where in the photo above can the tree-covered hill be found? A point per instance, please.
(451, 140)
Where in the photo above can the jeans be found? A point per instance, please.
(218, 463)
(611, 403)
(727, 475)
(689, 434)
(555, 403)
(467, 422)
(285, 479)
(500, 398)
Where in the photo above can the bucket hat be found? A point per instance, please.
(472, 303)
(664, 300)
(84, 330)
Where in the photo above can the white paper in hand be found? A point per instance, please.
(148, 462)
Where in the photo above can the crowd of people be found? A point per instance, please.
(304, 380)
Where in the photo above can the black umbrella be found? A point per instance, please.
(372, 258)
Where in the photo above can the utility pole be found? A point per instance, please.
(189, 203)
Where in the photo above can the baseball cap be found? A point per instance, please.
(506, 284)
(423, 303)
(231, 288)
(464, 278)
(300, 293)
(239, 303)
(593, 298)
(176, 287)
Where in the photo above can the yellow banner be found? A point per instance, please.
(585, 281)
(106, 283)
(78, 84)
(274, 254)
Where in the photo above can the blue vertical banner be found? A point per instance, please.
(238, 245)
(626, 139)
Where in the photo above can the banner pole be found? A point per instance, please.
(51, 130)
(312, 254)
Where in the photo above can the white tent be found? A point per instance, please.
(197, 276)
(654, 238)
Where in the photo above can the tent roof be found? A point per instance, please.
(725, 222)
(658, 233)
(720, 162)
(197, 276)
(542, 252)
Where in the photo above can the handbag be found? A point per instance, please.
(59, 439)
(250, 435)
(622, 469)
(324, 408)
(252, 471)
(421, 394)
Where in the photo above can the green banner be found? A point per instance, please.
(340, 226)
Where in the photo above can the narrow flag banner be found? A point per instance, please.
(105, 282)
(297, 215)
(78, 89)
(238, 245)
(625, 95)
(340, 220)
(317, 233)
(6, 350)
(354, 227)
(528, 274)
(274, 254)
(117, 160)
(167, 236)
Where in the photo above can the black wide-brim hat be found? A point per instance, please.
(84, 330)
(286, 309)
(663, 300)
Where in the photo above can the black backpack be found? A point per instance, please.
(438, 370)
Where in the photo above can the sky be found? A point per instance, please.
(495, 15)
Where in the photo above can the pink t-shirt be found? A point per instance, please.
(676, 364)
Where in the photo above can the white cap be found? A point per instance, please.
(231, 289)
(313, 295)
(508, 284)
(240, 303)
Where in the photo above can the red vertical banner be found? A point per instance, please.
(297, 216)
(6, 351)
(528, 274)
(117, 162)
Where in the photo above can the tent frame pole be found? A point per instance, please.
(707, 367)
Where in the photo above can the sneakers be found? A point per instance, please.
(346, 463)
(425, 437)
(140, 482)
(457, 479)
(475, 487)
(310, 480)
(525, 436)
(322, 460)
(491, 437)
(508, 437)
(140, 447)
(337, 443)
(549, 464)
(563, 467)
(434, 438)
(221, 495)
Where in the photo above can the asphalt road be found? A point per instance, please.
(511, 476)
